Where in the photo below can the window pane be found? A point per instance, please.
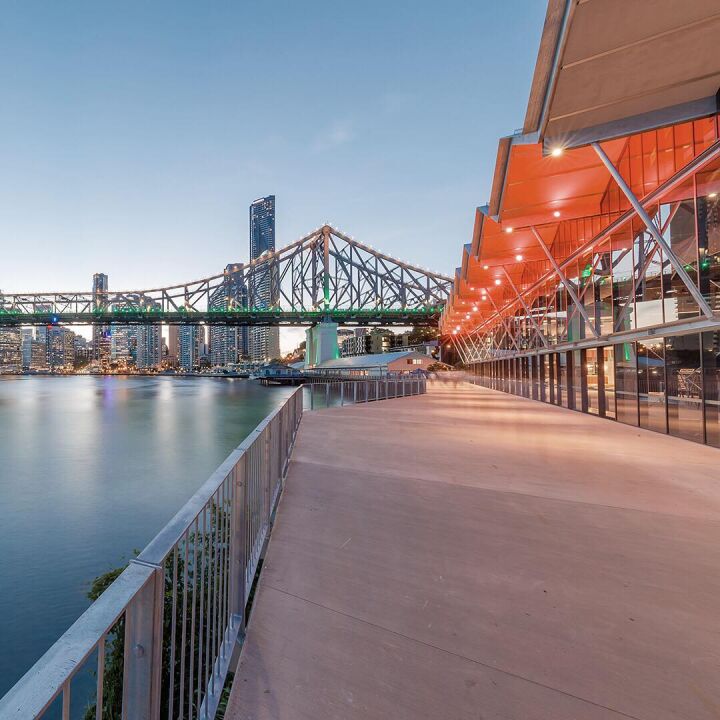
(684, 386)
(711, 386)
(651, 384)
(591, 372)
(626, 383)
(608, 359)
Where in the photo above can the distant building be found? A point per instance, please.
(264, 342)
(11, 358)
(377, 365)
(102, 347)
(28, 335)
(173, 345)
(123, 343)
(188, 355)
(60, 348)
(38, 353)
(227, 343)
(149, 346)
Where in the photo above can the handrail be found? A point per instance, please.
(173, 617)
(182, 600)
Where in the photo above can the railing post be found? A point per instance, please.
(238, 551)
(327, 395)
(377, 389)
(312, 396)
(268, 475)
(355, 391)
(342, 394)
(142, 670)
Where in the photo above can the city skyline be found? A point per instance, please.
(137, 159)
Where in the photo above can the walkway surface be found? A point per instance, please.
(470, 554)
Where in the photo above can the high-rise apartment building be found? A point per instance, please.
(188, 355)
(28, 335)
(60, 348)
(228, 344)
(264, 342)
(149, 346)
(10, 350)
(101, 333)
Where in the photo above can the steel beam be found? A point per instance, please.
(528, 311)
(652, 228)
(568, 285)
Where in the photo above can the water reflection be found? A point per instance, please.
(91, 468)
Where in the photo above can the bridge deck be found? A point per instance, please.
(469, 554)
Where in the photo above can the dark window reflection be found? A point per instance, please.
(684, 387)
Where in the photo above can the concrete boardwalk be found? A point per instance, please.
(470, 554)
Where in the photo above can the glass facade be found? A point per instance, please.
(669, 385)
(652, 352)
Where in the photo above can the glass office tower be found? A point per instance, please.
(264, 342)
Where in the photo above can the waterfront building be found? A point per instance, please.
(149, 346)
(28, 335)
(123, 343)
(592, 278)
(264, 342)
(60, 348)
(38, 353)
(377, 365)
(102, 337)
(188, 355)
(173, 345)
(227, 343)
(11, 357)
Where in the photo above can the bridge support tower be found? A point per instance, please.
(321, 343)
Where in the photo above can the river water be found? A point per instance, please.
(90, 469)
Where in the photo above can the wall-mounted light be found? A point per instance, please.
(519, 257)
(556, 213)
(556, 151)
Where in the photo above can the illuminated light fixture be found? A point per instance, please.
(518, 257)
(508, 230)
(556, 213)
(475, 308)
(497, 281)
(454, 332)
(556, 151)
(712, 195)
(486, 267)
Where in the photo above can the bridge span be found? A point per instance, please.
(324, 276)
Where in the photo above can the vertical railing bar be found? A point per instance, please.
(66, 700)
(171, 672)
(181, 689)
(191, 678)
(201, 615)
(100, 686)
(216, 592)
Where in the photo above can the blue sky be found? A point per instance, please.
(134, 135)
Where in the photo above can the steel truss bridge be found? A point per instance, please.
(325, 275)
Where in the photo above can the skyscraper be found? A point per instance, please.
(228, 343)
(264, 342)
(101, 333)
(149, 346)
(60, 348)
(10, 350)
(188, 346)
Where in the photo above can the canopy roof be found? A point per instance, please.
(644, 87)
(623, 64)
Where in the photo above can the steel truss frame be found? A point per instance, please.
(325, 273)
(484, 343)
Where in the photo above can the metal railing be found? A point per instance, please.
(337, 393)
(160, 639)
